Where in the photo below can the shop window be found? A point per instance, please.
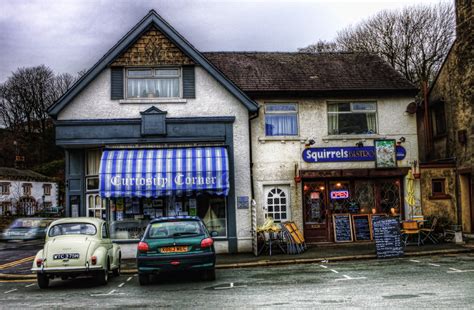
(95, 206)
(5, 188)
(27, 189)
(438, 119)
(281, 120)
(47, 189)
(153, 83)
(277, 203)
(346, 118)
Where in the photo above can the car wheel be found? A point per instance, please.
(116, 272)
(209, 275)
(43, 280)
(143, 279)
(102, 276)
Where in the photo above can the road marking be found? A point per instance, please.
(121, 284)
(346, 277)
(414, 260)
(335, 271)
(322, 266)
(15, 289)
(231, 285)
(453, 270)
(108, 294)
(30, 285)
(436, 265)
(130, 278)
(16, 262)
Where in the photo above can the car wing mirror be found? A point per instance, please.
(214, 233)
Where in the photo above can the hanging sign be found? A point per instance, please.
(339, 154)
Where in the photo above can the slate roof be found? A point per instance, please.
(7, 173)
(261, 72)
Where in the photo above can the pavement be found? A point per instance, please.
(16, 264)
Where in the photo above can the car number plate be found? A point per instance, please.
(174, 249)
(66, 256)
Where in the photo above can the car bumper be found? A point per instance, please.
(66, 270)
(161, 263)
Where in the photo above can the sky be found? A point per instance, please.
(71, 35)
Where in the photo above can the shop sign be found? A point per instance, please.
(340, 194)
(341, 154)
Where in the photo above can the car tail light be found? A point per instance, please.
(206, 243)
(93, 260)
(143, 246)
(39, 262)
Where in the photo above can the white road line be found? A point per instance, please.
(346, 278)
(130, 278)
(322, 266)
(121, 284)
(414, 260)
(30, 285)
(335, 271)
(15, 289)
(454, 269)
(436, 265)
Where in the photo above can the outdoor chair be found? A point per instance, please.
(410, 228)
(429, 233)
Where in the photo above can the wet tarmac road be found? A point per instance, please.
(408, 283)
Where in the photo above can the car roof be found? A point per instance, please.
(88, 220)
(175, 218)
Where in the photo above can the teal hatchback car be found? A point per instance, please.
(176, 244)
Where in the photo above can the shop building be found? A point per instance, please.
(335, 135)
(153, 129)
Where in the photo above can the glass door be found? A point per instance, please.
(316, 215)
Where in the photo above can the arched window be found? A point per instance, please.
(277, 203)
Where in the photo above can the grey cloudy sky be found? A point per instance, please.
(71, 35)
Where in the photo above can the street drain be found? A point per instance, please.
(401, 296)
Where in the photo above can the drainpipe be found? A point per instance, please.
(251, 117)
(456, 188)
(426, 121)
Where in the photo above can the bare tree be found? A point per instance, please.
(320, 47)
(414, 40)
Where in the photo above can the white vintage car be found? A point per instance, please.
(76, 247)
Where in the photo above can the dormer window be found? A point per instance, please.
(153, 83)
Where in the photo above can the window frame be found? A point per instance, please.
(438, 120)
(352, 111)
(286, 191)
(154, 77)
(5, 188)
(296, 113)
(47, 189)
(27, 189)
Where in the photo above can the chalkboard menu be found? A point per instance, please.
(362, 231)
(342, 227)
(374, 217)
(387, 237)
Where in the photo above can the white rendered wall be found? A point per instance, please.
(37, 192)
(276, 158)
(211, 100)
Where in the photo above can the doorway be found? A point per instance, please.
(467, 207)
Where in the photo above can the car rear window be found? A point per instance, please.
(72, 229)
(25, 223)
(175, 229)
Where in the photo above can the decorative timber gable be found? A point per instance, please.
(151, 49)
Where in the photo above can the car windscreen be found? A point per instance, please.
(72, 229)
(175, 229)
(25, 223)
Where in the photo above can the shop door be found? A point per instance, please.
(316, 215)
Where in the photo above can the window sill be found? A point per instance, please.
(352, 137)
(152, 100)
(282, 139)
(439, 197)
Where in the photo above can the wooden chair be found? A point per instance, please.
(428, 233)
(410, 228)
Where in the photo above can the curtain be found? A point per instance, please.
(281, 125)
(333, 119)
(143, 88)
(93, 162)
(371, 124)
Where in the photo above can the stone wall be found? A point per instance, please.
(151, 49)
(444, 209)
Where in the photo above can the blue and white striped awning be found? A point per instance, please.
(164, 172)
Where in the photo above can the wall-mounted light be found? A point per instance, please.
(401, 140)
(310, 142)
(360, 144)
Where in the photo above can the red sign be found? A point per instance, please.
(342, 194)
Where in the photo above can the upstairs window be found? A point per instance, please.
(47, 189)
(281, 120)
(349, 118)
(153, 83)
(438, 119)
(5, 188)
(27, 189)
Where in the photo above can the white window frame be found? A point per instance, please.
(296, 112)
(286, 190)
(97, 204)
(156, 77)
(5, 188)
(352, 111)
